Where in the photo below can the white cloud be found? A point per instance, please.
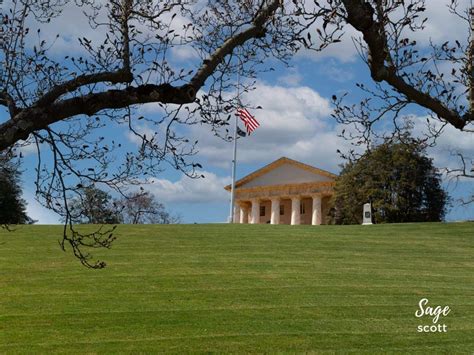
(333, 70)
(142, 130)
(150, 123)
(70, 25)
(451, 140)
(27, 147)
(344, 51)
(38, 212)
(294, 122)
(207, 189)
(184, 53)
(292, 78)
(149, 109)
(437, 28)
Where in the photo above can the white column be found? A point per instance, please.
(275, 216)
(243, 214)
(295, 210)
(317, 211)
(255, 219)
(236, 213)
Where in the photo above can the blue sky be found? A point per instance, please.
(294, 122)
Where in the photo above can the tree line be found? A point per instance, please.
(12, 205)
(95, 206)
(396, 177)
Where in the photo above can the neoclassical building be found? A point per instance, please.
(284, 192)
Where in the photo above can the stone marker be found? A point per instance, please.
(367, 216)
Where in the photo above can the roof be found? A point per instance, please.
(276, 164)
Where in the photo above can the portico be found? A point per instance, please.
(284, 192)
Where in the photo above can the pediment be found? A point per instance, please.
(284, 171)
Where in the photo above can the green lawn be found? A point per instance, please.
(240, 288)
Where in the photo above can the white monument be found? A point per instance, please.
(284, 192)
(367, 216)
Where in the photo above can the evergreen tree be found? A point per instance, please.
(94, 206)
(12, 206)
(398, 179)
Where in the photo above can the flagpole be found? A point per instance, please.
(234, 164)
(234, 157)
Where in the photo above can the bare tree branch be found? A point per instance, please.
(44, 112)
(69, 105)
(360, 14)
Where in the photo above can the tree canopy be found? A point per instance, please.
(12, 205)
(94, 206)
(142, 207)
(398, 179)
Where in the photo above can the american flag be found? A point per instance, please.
(250, 122)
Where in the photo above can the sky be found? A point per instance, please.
(295, 121)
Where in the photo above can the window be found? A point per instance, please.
(302, 208)
(262, 211)
(282, 210)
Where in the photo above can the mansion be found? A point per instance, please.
(284, 192)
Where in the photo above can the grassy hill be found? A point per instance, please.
(240, 288)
